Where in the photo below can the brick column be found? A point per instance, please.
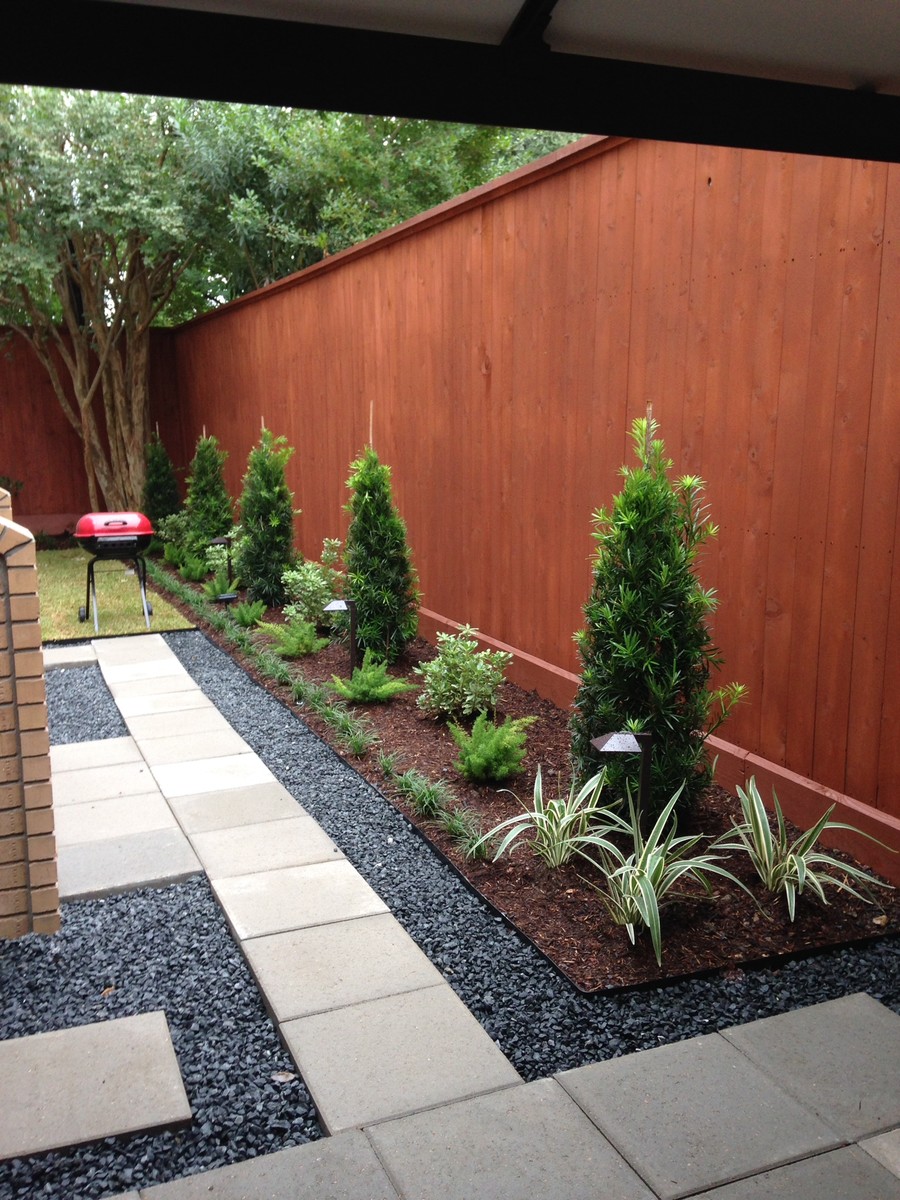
(29, 896)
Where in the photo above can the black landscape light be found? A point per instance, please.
(350, 607)
(629, 743)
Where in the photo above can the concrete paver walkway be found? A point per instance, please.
(420, 1101)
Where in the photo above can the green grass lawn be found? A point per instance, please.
(62, 581)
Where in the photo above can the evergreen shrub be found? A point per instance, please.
(266, 547)
(160, 498)
(461, 680)
(491, 753)
(380, 575)
(208, 504)
(646, 650)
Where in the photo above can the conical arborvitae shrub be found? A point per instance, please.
(646, 651)
(208, 505)
(160, 498)
(380, 575)
(266, 546)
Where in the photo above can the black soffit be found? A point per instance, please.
(218, 56)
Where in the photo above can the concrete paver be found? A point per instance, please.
(695, 1114)
(292, 842)
(850, 1078)
(140, 647)
(116, 818)
(339, 1168)
(384, 1058)
(183, 721)
(60, 657)
(845, 1174)
(157, 669)
(95, 1081)
(102, 783)
(885, 1147)
(148, 859)
(210, 774)
(88, 755)
(528, 1141)
(307, 971)
(187, 747)
(231, 807)
(294, 898)
(164, 702)
(155, 685)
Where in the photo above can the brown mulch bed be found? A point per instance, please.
(558, 910)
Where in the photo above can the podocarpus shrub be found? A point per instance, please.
(646, 651)
(266, 547)
(380, 574)
(160, 498)
(208, 504)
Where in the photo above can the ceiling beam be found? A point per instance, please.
(137, 48)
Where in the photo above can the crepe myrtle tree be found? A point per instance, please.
(380, 575)
(646, 649)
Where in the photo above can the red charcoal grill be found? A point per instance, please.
(114, 535)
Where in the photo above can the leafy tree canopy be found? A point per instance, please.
(118, 212)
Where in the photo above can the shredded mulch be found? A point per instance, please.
(560, 910)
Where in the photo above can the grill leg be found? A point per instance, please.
(141, 568)
(92, 595)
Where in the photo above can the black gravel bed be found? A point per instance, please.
(537, 1018)
(80, 707)
(138, 952)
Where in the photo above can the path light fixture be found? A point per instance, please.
(348, 606)
(629, 743)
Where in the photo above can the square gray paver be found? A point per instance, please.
(294, 898)
(232, 807)
(184, 721)
(338, 1168)
(695, 1114)
(211, 774)
(187, 747)
(147, 859)
(125, 815)
(840, 1058)
(95, 1081)
(145, 669)
(154, 685)
(385, 1058)
(140, 647)
(60, 657)
(102, 782)
(307, 971)
(886, 1148)
(521, 1143)
(107, 752)
(845, 1174)
(268, 846)
(165, 702)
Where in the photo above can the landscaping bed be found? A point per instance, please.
(559, 910)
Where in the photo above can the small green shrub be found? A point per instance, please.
(309, 586)
(294, 640)
(208, 505)
(427, 797)
(380, 575)
(461, 680)
(160, 497)
(370, 683)
(220, 585)
(266, 547)
(193, 570)
(248, 612)
(175, 533)
(787, 867)
(491, 753)
(560, 827)
(639, 884)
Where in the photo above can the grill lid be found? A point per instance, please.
(113, 524)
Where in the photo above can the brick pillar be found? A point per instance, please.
(29, 896)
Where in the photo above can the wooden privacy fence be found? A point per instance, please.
(495, 352)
